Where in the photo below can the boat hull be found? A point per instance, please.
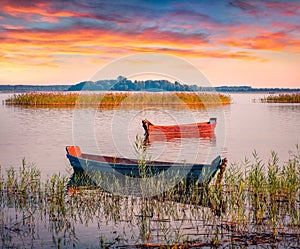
(184, 130)
(201, 173)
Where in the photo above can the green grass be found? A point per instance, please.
(114, 100)
(257, 203)
(282, 98)
(263, 195)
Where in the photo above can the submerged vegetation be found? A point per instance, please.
(282, 98)
(114, 100)
(257, 204)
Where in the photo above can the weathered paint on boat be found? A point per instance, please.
(182, 130)
(203, 173)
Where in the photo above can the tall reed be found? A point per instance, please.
(116, 99)
(282, 98)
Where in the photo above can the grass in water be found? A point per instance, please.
(258, 203)
(282, 98)
(191, 100)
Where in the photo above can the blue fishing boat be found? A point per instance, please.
(202, 173)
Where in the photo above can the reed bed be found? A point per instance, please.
(257, 204)
(282, 98)
(115, 99)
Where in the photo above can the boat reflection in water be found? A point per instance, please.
(159, 136)
(207, 196)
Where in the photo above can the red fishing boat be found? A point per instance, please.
(182, 130)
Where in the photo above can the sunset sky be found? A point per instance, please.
(236, 42)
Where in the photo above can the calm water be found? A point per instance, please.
(40, 134)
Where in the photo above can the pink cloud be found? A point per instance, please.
(267, 40)
(12, 27)
(285, 8)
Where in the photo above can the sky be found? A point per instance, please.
(254, 43)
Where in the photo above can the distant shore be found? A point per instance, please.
(94, 86)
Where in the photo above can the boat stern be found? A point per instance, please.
(212, 120)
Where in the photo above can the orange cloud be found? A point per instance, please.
(51, 14)
(40, 9)
(200, 53)
(272, 41)
(11, 27)
(40, 45)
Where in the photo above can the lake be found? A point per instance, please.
(40, 134)
(93, 218)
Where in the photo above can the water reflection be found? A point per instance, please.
(40, 134)
(285, 110)
(83, 215)
(169, 137)
(183, 192)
